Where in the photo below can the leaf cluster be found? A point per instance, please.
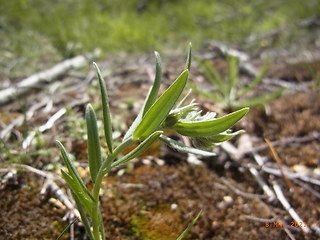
(156, 115)
(231, 91)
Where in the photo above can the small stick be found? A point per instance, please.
(263, 220)
(287, 206)
(46, 76)
(290, 175)
(18, 121)
(267, 190)
(233, 152)
(240, 192)
(286, 229)
(316, 229)
(192, 159)
(278, 161)
(26, 143)
(7, 177)
(314, 136)
(307, 187)
(236, 154)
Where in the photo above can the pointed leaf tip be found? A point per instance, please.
(105, 109)
(189, 57)
(94, 151)
(210, 127)
(161, 108)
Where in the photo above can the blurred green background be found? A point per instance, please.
(34, 33)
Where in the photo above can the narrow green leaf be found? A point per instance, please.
(102, 231)
(260, 100)
(150, 99)
(84, 218)
(233, 70)
(216, 96)
(213, 76)
(210, 128)
(66, 228)
(94, 151)
(212, 141)
(71, 169)
(141, 148)
(185, 232)
(152, 96)
(106, 110)
(176, 114)
(233, 75)
(188, 63)
(257, 79)
(161, 108)
(184, 99)
(77, 190)
(222, 137)
(181, 147)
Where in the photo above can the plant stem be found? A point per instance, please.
(96, 219)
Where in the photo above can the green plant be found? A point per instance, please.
(315, 74)
(231, 92)
(155, 116)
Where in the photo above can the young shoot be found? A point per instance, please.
(157, 115)
(230, 91)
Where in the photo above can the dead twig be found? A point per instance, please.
(279, 163)
(18, 121)
(289, 174)
(307, 187)
(240, 192)
(284, 142)
(287, 230)
(192, 159)
(7, 178)
(268, 191)
(316, 229)
(287, 206)
(27, 142)
(45, 76)
(262, 220)
(236, 154)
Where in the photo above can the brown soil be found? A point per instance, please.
(157, 201)
(25, 214)
(293, 115)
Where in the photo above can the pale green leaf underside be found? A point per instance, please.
(181, 147)
(219, 138)
(210, 128)
(215, 140)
